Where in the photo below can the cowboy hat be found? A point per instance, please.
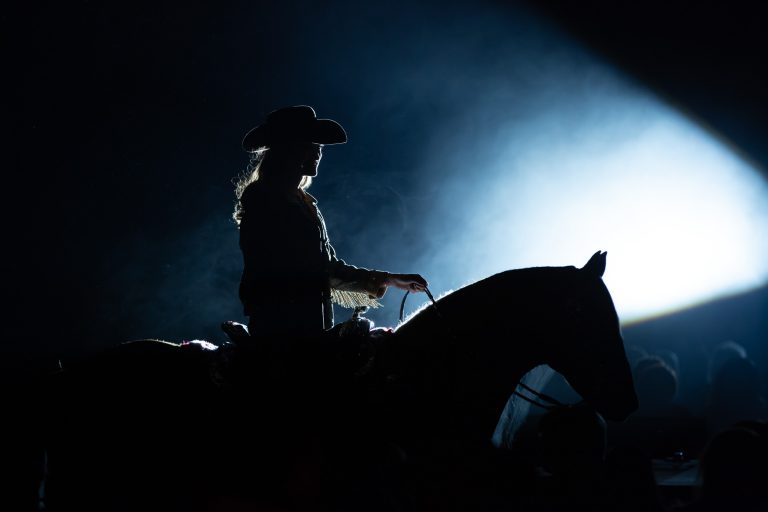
(294, 124)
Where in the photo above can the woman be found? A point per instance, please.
(291, 274)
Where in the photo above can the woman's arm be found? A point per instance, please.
(372, 282)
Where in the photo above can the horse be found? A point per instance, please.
(146, 419)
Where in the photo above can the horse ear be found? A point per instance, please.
(596, 264)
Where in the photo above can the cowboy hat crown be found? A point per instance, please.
(294, 124)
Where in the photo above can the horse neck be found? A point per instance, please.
(497, 318)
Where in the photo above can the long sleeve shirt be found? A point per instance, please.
(291, 272)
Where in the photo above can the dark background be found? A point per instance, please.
(124, 121)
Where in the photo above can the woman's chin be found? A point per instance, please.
(310, 171)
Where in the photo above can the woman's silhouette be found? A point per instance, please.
(291, 274)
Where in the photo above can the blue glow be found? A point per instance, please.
(683, 217)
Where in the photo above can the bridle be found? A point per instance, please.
(538, 397)
(553, 403)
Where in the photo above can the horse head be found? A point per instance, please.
(478, 342)
(589, 348)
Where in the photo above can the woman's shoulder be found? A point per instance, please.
(254, 188)
(255, 193)
(260, 199)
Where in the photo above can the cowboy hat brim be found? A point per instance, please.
(276, 131)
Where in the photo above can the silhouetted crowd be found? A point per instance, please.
(670, 455)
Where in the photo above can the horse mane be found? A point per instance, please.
(522, 275)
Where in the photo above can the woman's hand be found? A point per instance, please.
(407, 282)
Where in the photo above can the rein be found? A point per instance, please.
(429, 294)
(551, 402)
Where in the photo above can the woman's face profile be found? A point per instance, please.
(298, 158)
(311, 154)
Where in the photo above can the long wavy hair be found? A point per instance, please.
(258, 166)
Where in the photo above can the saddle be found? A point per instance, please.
(353, 342)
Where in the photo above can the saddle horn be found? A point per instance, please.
(596, 264)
